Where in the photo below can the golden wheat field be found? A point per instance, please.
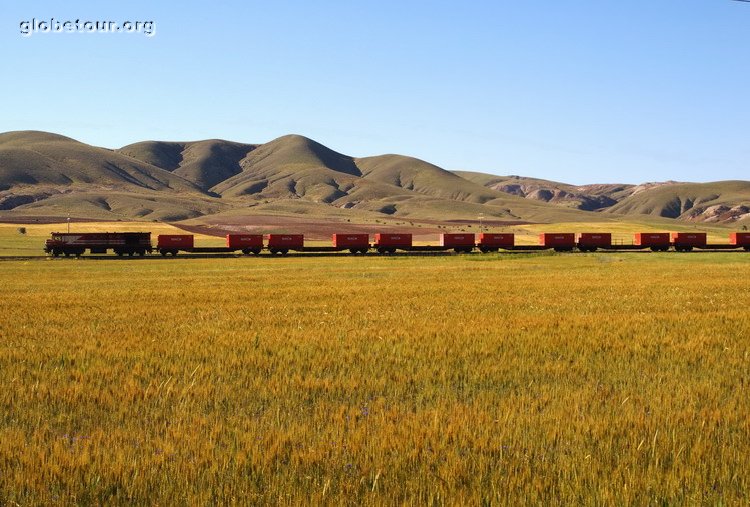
(591, 379)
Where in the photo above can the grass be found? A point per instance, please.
(577, 380)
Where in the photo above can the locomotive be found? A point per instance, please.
(139, 243)
(121, 243)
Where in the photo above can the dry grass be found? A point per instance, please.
(537, 379)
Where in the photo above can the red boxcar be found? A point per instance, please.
(740, 239)
(282, 243)
(174, 241)
(248, 243)
(590, 241)
(685, 241)
(657, 241)
(353, 242)
(459, 242)
(560, 241)
(390, 242)
(489, 242)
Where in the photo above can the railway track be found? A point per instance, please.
(371, 255)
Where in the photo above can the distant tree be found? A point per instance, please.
(22, 230)
(744, 227)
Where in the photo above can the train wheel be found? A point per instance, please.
(163, 253)
(353, 251)
(382, 250)
(284, 251)
(747, 248)
(256, 251)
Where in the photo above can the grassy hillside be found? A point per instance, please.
(44, 174)
(47, 174)
(716, 202)
(424, 178)
(120, 206)
(44, 160)
(721, 201)
(205, 163)
(292, 167)
(588, 197)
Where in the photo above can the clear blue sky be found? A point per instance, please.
(577, 91)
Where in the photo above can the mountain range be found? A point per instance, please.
(45, 174)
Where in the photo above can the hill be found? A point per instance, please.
(42, 159)
(44, 174)
(292, 167)
(587, 197)
(49, 174)
(204, 163)
(714, 202)
(720, 201)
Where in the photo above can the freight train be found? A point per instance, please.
(139, 243)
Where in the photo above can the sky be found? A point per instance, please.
(577, 91)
